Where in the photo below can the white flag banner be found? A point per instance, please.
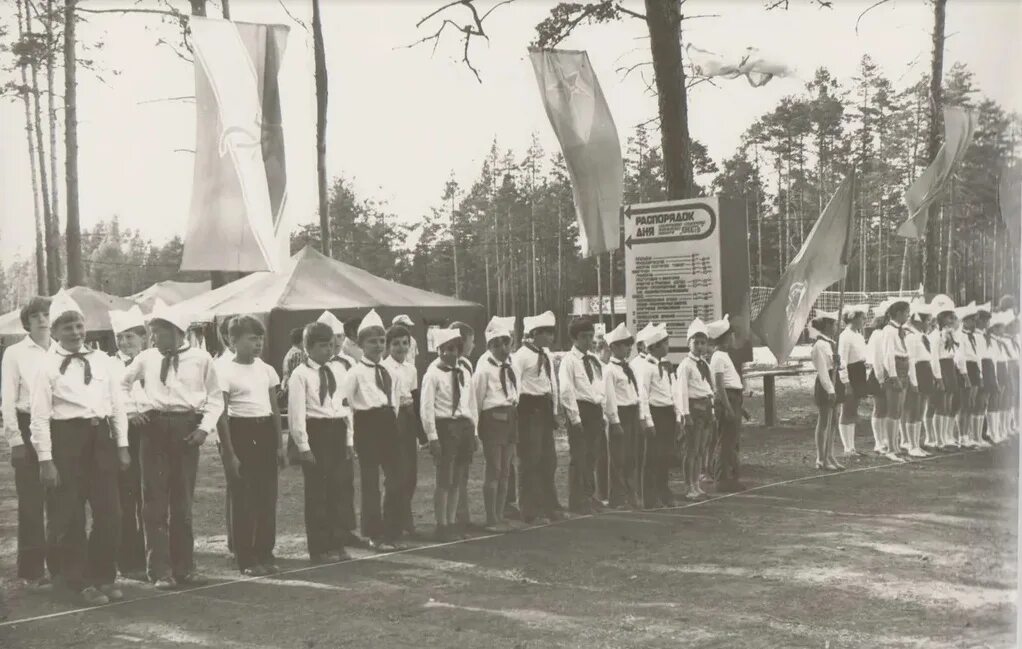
(750, 63)
(959, 125)
(239, 186)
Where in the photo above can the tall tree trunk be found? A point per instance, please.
(930, 256)
(51, 109)
(319, 52)
(454, 250)
(50, 230)
(663, 18)
(42, 286)
(75, 274)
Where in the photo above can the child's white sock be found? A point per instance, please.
(847, 432)
(877, 424)
(892, 435)
(977, 428)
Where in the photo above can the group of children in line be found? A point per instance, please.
(122, 433)
(941, 377)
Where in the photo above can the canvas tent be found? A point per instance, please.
(95, 304)
(310, 283)
(169, 291)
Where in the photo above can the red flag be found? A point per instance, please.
(581, 119)
(821, 262)
(239, 186)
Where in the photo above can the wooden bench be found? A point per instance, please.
(770, 387)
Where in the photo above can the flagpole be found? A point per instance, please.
(844, 263)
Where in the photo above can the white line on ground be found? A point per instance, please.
(177, 593)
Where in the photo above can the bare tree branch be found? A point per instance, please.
(629, 12)
(164, 12)
(700, 16)
(437, 12)
(625, 71)
(469, 30)
(291, 16)
(162, 99)
(866, 11)
(783, 4)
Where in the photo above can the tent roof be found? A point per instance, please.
(95, 304)
(169, 291)
(310, 280)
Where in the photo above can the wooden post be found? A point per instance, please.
(319, 53)
(74, 229)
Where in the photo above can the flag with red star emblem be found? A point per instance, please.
(239, 183)
(585, 129)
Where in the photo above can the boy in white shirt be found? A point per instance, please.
(80, 434)
(400, 365)
(694, 395)
(496, 396)
(252, 446)
(130, 333)
(449, 417)
(340, 339)
(20, 364)
(537, 455)
(580, 380)
(468, 337)
(625, 406)
(728, 390)
(413, 346)
(181, 385)
(320, 425)
(371, 392)
(658, 447)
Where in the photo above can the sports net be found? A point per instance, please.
(828, 300)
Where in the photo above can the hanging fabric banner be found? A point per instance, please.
(239, 184)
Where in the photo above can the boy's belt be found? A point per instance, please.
(265, 419)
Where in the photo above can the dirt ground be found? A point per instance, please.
(916, 555)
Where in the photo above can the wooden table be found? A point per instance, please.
(770, 387)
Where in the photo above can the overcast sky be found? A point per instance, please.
(401, 120)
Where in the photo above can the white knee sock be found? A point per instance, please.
(877, 424)
(906, 439)
(893, 426)
(847, 432)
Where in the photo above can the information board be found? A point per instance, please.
(673, 268)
